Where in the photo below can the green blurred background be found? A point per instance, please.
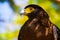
(11, 20)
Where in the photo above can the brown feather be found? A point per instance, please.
(37, 28)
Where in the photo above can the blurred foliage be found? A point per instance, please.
(9, 35)
(2, 0)
(15, 8)
(20, 19)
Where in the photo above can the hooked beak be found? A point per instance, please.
(22, 12)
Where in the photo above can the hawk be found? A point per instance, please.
(38, 26)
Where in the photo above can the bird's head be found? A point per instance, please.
(31, 9)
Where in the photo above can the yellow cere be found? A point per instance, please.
(28, 10)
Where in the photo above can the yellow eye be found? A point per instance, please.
(28, 10)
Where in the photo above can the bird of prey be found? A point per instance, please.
(38, 26)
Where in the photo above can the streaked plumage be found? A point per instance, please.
(38, 26)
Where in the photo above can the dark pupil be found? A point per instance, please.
(30, 8)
